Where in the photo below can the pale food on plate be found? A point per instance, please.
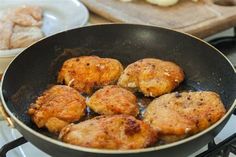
(20, 27)
(5, 34)
(163, 3)
(25, 15)
(22, 36)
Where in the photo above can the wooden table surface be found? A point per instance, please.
(201, 19)
(96, 19)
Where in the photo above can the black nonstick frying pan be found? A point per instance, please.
(36, 68)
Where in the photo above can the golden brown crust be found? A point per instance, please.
(88, 72)
(152, 77)
(114, 100)
(110, 132)
(57, 107)
(177, 115)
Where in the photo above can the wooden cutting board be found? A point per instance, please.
(202, 19)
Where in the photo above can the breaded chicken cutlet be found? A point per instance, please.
(110, 132)
(152, 77)
(57, 107)
(112, 100)
(178, 115)
(88, 72)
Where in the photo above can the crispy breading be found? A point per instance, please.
(178, 115)
(88, 72)
(110, 132)
(152, 77)
(114, 100)
(57, 107)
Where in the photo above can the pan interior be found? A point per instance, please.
(36, 68)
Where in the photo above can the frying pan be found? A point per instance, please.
(36, 68)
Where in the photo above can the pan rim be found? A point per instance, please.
(107, 151)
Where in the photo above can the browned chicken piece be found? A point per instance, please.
(57, 107)
(25, 15)
(24, 36)
(114, 100)
(5, 34)
(152, 77)
(178, 115)
(88, 72)
(110, 132)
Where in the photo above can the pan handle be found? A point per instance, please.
(5, 116)
(11, 145)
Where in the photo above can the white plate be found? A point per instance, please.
(59, 15)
